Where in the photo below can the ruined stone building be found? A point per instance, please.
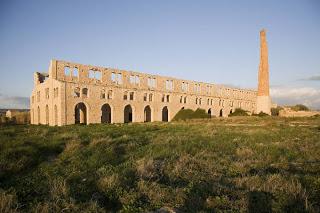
(74, 93)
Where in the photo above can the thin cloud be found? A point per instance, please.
(14, 102)
(312, 78)
(308, 96)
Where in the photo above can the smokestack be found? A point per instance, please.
(263, 98)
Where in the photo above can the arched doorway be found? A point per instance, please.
(221, 113)
(209, 112)
(47, 115)
(55, 115)
(105, 113)
(80, 113)
(147, 114)
(230, 111)
(165, 114)
(128, 114)
(38, 115)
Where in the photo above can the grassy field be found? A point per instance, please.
(233, 165)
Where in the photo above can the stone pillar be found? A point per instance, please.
(263, 97)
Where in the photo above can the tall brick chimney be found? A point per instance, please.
(263, 98)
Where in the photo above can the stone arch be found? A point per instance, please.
(127, 113)
(147, 114)
(47, 114)
(32, 116)
(55, 115)
(80, 113)
(105, 113)
(209, 112)
(38, 115)
(165, 114)
(221, 113)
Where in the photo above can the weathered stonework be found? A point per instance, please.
(263, 98)
(74, 93)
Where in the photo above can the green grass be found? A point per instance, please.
(233, 164)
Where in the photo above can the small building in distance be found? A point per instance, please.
(17, 116)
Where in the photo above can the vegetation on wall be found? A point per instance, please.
(239, 112)
(185, 114)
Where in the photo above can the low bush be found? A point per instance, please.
(299, 107)
(275, 111)
(185, 114)
(239, 112)
(260, 114)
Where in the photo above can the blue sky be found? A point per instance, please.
(210, 41)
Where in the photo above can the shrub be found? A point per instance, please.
(200, 113)
(239, 112)
(261, 114)
(185, 114)
(300, 107)
(275, 111)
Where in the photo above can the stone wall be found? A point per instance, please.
(56, 96)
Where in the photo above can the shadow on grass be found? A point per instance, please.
(259, 201)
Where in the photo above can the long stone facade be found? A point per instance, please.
(75, 93)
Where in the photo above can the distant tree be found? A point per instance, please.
(300, 107)
(275, 111)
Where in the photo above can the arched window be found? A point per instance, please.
(84, 92)
(131, 96)
(67, 71)
(110, 94)
(103, 94)
(76, 92)
(125, 95)
(75, 72)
